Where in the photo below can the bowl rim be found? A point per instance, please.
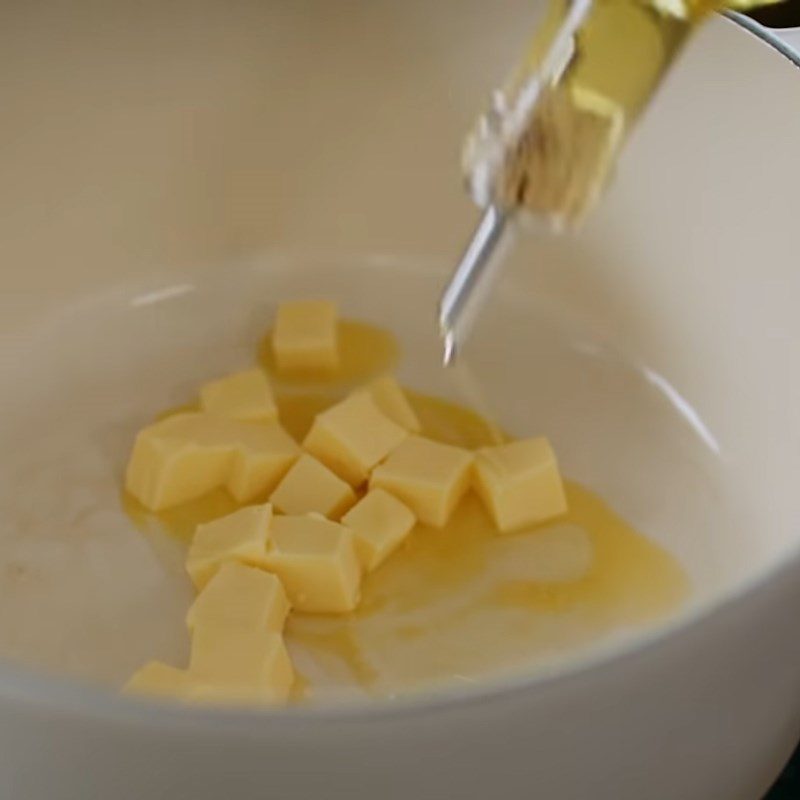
(31, 687)
(767, 35)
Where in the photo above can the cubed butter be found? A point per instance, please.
(237, 662)
(244, 395)
(305, 336)
(171, 464)
(310, 486)
(392, 401)
(520, 483)
(429, 477)
(184, 456)
(240, 695)
(260, 462)
(161, 680)
(241, 536)
(353, 436)
(379, 523)
(241, 596)
(316, 562)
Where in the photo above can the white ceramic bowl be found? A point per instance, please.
(155, 159)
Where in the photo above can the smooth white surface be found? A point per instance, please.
(141, 145)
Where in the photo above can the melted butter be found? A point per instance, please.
(462, 602)
(297, 411)
(182, 520)
(450, 423)
(455, 603)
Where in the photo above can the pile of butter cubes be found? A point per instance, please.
(339, 504)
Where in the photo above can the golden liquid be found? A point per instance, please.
(590, 98)
(622, 50)
(464, 602)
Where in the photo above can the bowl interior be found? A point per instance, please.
(88, 592)
(139, 235)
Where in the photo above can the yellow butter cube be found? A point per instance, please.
(392, 401)
(236, 661)
(260, 462)
(379, 523)
(241, 596)
(168, 467)
(241, 536)
(184, 456)
(429, 477)
(243, 395)
(310, 486)
(520, 483)
(210, 694)
(161, 680)
(305, 336)
(316, 562)
(353, 436)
